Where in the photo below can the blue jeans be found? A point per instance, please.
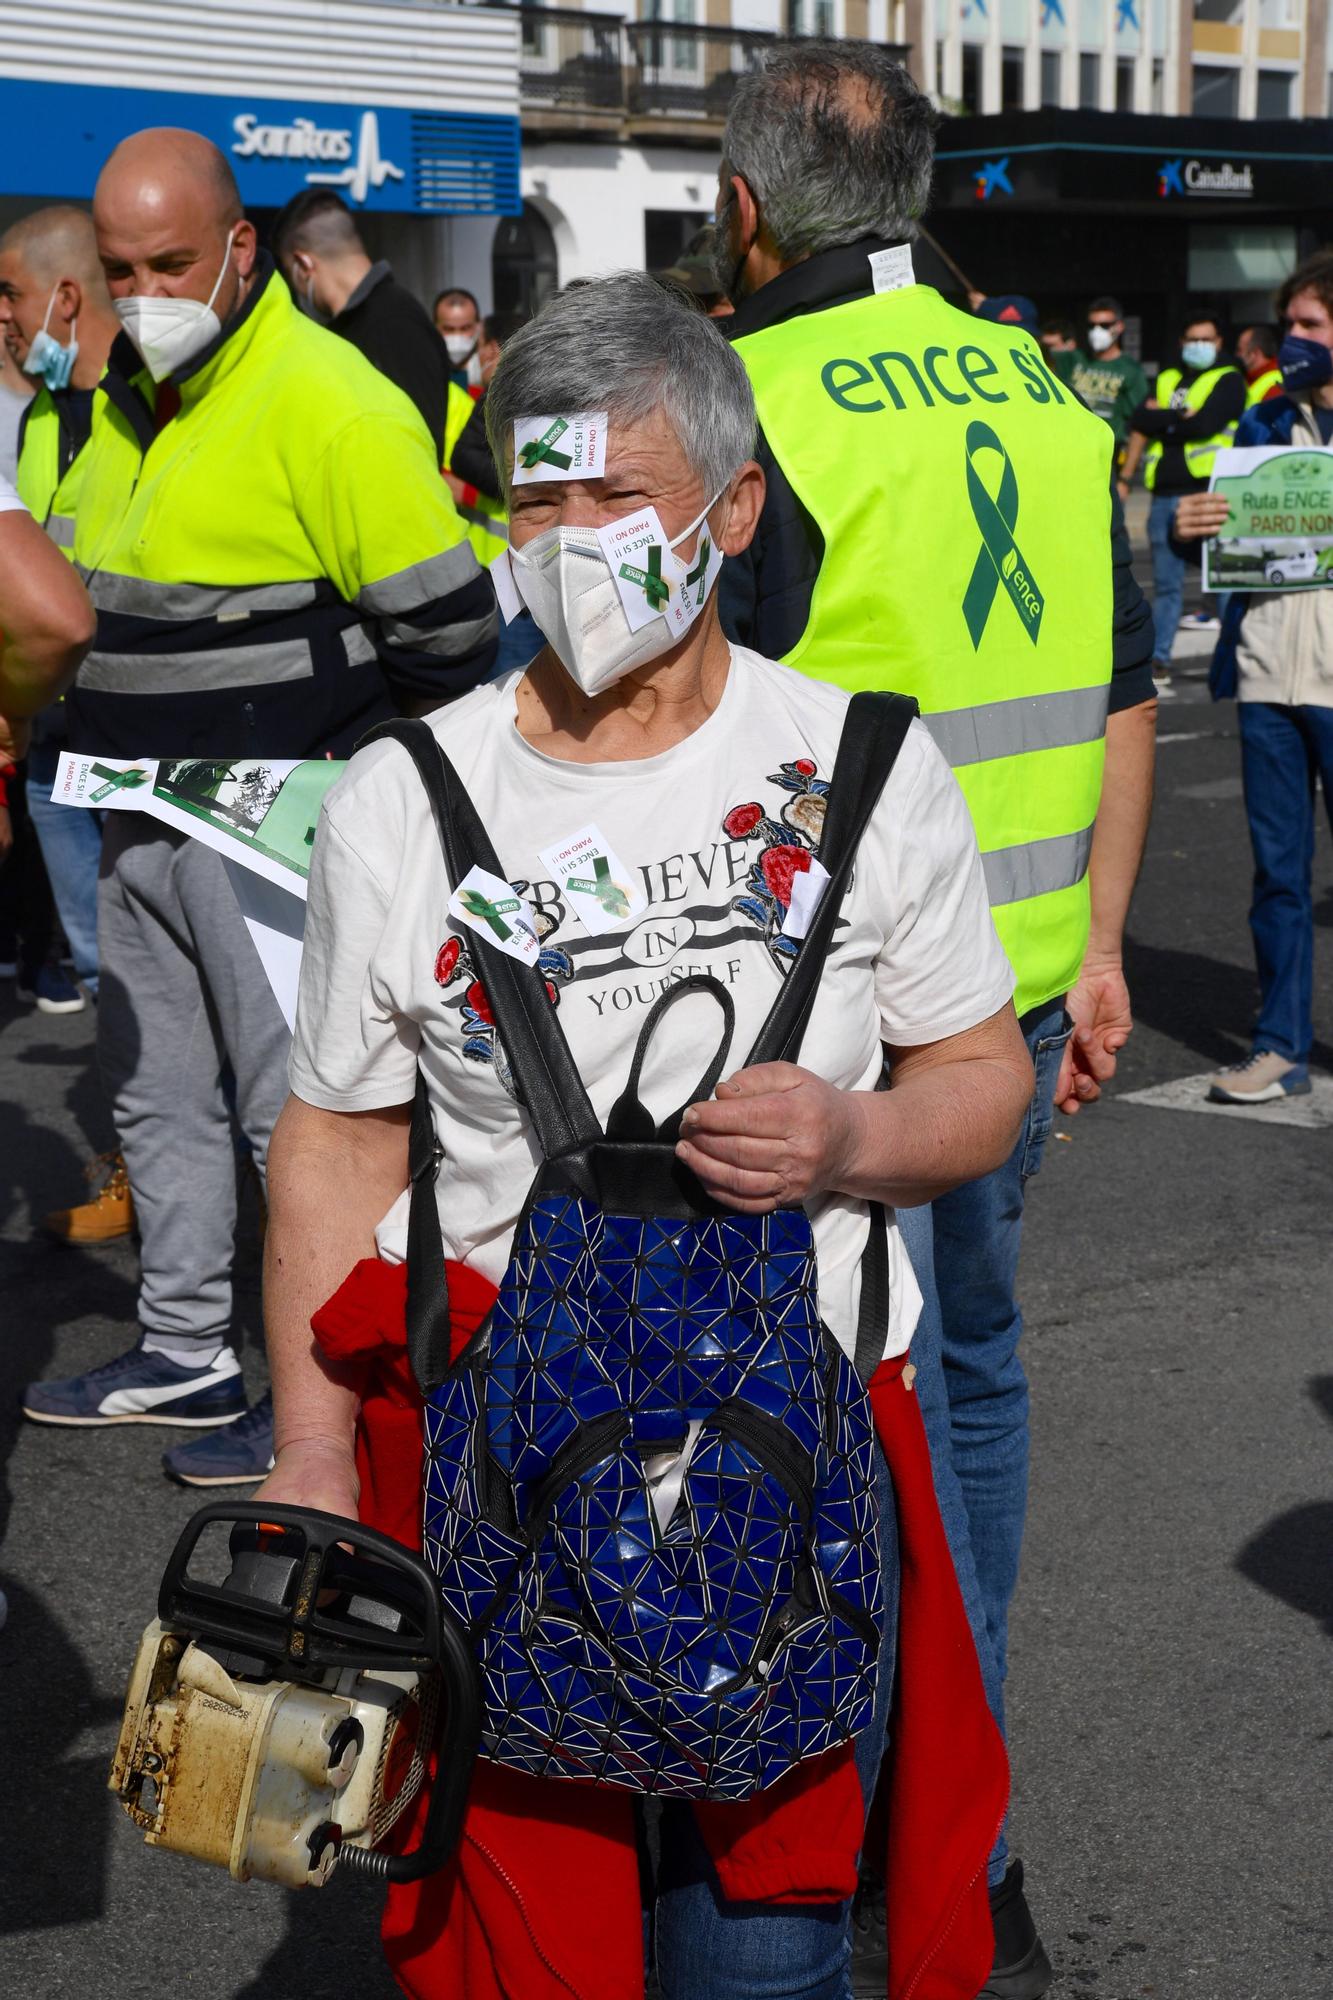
(712, 1949)
(71, 844)
(1168, 575)
(970, 1380)
(1281, 751)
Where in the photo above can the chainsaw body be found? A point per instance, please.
(281, 1722)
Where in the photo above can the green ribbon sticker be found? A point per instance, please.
(609, 894)
(541, 448)
(490, 913)
(116, 781)
(649, 580)
(999, 559)
(699, 574)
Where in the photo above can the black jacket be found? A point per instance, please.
(1174, 429)
(393, 331)
(766, 592)
(472, 461)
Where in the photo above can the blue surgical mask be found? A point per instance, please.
(1199, 354)
(1305, 364)
(47, 358)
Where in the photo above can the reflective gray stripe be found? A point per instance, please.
(401, 594)
(445, 641)
(60, 527)
(494, 524)
(359, 646)
(197, 673)
(1008, 728)
(182, 603)
(1037, 867)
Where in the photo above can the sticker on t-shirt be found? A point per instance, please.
(559, 448)
(891, 270)
(807, 893)
(599, 889)
(506, 590)
(489, 906)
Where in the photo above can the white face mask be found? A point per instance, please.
(569, 586)
(1099, 339)
(460, 347)
(170, 332)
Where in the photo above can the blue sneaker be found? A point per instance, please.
(240, 1455)
(52, 992)
(141, 1388)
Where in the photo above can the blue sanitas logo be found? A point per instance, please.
(1169, 178)
(993, 178)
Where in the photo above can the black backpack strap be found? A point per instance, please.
(873, 733)
(630, 1118)
(427, 1282)
(544, 1070)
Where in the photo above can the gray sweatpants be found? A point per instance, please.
(182, 994)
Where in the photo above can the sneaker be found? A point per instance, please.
(870, 1938)
(1201, 621)
(239, 1455)
(1262, 1078)
(1162, 681)
(1021, 1970)
(52, 992)
(142, 1388)
(110, 1212)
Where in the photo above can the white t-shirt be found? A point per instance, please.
(705, 829)
(9, 499)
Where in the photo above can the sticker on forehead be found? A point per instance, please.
(601, 891)
(645, 570)
(488, 905)
(559, 448)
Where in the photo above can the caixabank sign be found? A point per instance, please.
(377, 157)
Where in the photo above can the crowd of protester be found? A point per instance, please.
(287, 486)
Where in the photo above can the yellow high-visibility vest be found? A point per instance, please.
(1200, 454)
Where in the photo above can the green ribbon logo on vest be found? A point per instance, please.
(999, 559)
(649, 580)
(490, 913)
(543, 448)
(116, 781)
(609, 894)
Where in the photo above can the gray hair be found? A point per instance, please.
(835, 142)
(628, 345)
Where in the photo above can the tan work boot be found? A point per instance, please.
(1263, 1078)
(110, 1212)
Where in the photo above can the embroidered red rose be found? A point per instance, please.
(779, 865)
(742, 820)
(551, 993)
(805, 767)
(446, 961)
(475, 998)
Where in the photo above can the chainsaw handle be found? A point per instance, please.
(456, 1754)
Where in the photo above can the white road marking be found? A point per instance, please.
(1190, 1093)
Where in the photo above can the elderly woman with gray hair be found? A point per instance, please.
(645, 815)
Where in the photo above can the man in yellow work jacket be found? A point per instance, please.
(276, 564)
(939, 521)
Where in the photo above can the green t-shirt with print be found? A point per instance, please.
(1113, 390)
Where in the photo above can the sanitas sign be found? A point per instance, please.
(1205, 179)
(304, 140)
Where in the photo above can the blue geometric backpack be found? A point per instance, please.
(650, 1489)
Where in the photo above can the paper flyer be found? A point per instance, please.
(1279, 532)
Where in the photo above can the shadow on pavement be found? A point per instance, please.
(1293, 1556)
(1204, 1004)
(331, 1945)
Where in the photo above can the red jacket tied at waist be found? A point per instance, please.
(512, 1913)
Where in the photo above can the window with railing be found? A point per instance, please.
(1215, 91)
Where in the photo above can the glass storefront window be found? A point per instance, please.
(1239, 257)
(1274, 94)
(1011, 79)
(1216, 91)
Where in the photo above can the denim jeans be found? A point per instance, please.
(1168, 575)
(1281, 751)
(712, 1949)
(71, 843)
(970, 1380)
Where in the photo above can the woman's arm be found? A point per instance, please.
(778, 1134)
(332, 1176)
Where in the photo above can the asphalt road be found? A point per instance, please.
(1170, 1689)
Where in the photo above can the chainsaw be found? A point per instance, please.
(279, 1723)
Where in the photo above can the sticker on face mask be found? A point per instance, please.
(600, 890)
(559, 448)
(891, 270)
(644, 567)
(506, 590)
(807, 893)
(490, 907)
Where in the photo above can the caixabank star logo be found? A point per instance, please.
(1170, 179)
(992, 178)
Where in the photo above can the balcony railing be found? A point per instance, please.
(600, 70)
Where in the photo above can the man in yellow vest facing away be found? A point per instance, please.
(1177, 433)
(939, 521)
(276, 565)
